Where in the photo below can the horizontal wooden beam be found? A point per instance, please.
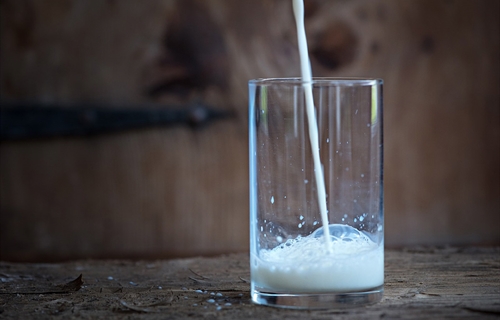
(34, 121)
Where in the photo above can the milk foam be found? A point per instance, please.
(305, 264)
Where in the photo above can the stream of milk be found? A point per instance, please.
(305, 67)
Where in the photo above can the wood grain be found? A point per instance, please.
(420, 282)
(179, 192)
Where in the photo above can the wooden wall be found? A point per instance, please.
(179, 191)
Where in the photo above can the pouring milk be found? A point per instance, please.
(333, 258)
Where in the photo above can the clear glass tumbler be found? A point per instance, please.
(295, 262)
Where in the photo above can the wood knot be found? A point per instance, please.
(336, 47)
(427, 45)
(194, 53)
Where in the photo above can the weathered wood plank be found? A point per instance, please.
(420, 283)
(173, 192)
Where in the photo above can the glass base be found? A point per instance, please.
(330, 300)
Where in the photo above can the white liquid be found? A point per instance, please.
(305, 67)
(353, 263)
(337, 258)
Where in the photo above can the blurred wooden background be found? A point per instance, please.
(179, 191)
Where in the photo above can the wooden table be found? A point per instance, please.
(420, 283)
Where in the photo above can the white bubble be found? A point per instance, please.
(272, 199)
(306, 181)
(362, 175)
(279, 239)
(301, 217)
(299, 225)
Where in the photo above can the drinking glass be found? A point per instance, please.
(295, 261)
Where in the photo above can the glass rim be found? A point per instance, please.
(337, 81)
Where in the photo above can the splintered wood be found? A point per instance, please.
(420, 283)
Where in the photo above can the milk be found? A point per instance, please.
(337, 258)
(305, 67)
(353, 262)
